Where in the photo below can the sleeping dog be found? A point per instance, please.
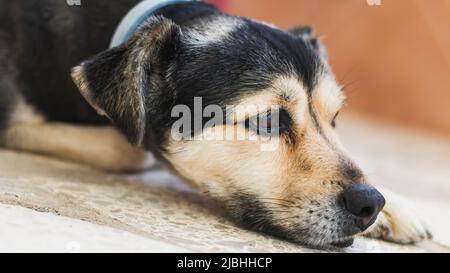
(166, 54)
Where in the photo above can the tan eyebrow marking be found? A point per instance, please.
(289, 87)
(285, 92)
(328, 97)
(250, 106)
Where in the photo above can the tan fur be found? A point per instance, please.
(328, 97)
(104, 148)
(311, 149)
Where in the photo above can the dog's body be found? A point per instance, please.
(184, 51)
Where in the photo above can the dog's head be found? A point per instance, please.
(307, 189)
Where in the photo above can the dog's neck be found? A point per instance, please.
(136, 16)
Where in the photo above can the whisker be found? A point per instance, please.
(277, 210)
(287, 218)
(278, 204)
(285, 206)
(277, 199)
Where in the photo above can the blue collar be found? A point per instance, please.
(134, 18)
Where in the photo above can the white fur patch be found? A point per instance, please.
(211, 31)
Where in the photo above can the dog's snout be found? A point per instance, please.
(364, 202)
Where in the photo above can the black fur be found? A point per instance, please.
(40, 41)
(250, 213)
(128, 82)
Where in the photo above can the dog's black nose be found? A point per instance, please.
(363, 201)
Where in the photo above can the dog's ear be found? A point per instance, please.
(117, 82)
(306, 33)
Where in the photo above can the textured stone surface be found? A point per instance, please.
(42, 201)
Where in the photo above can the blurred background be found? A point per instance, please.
(392, 58)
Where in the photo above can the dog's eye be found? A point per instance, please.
(333, 121)
(269, 124)
(260, 124)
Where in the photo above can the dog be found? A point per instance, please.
(67, 91)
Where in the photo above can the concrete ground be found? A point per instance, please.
(50, 205)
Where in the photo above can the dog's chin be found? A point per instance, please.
(322, 244)
(345, 242)
(344, 238)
